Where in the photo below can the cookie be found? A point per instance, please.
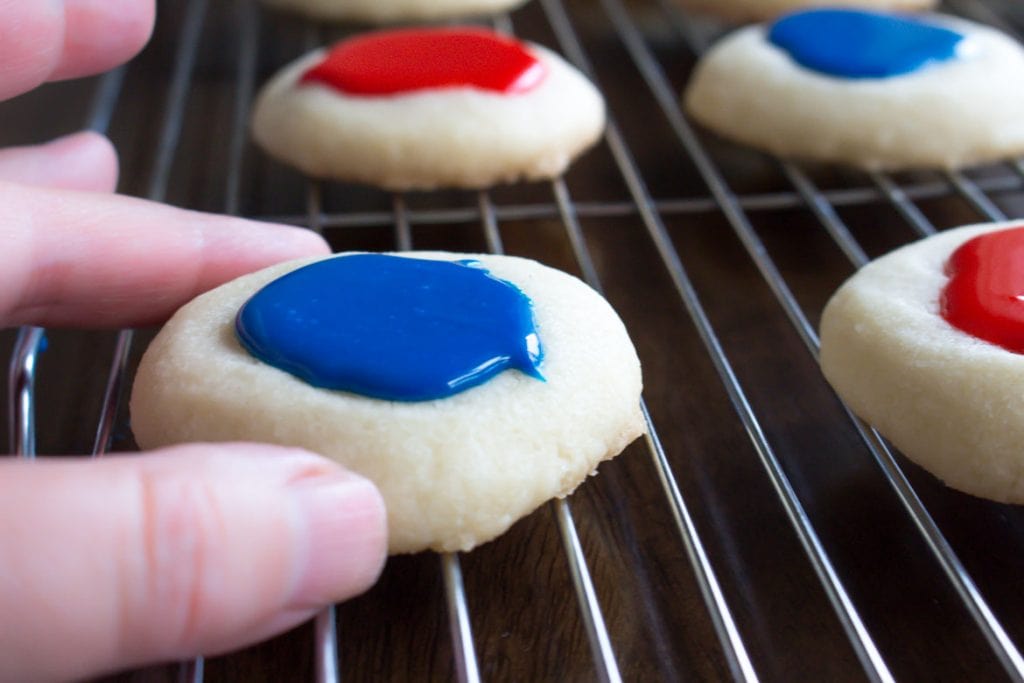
(429, 108)
(384, 11)
(470, 388)
(926, 344)
(761, 10)
(875, 91)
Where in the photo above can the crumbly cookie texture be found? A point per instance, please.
(760, 10)
(453, 137)
(949, 115)
(949, 401)
(454, 472)
(386, 11)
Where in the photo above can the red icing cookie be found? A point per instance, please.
(396, 62)
(920, 343)
(985, 294)
(427, 108)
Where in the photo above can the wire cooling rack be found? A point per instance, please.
(758, 532)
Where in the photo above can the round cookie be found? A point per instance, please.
(461, 136)
(760, 10)
(944, 114)
(384, 11)
(455, 471)
(948, 400)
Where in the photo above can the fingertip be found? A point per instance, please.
(85, 160)
(291, 241)
(240, 246)
(344, 526)
(101, 34)
(80, 161)
(100, 150)
(31, 38)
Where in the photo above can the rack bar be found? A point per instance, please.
(857, 196)
(325, 628)
(245, 85)
(459, 623)
(21, 384)
(735, 652)
(403, 230)
(31, 340)
(903, 205)
(108, 92)
(975, 197)
(943, 552)
(825, 213)
(459, 628)
(489, 218)
(325, 643)
(590, 606)
(860, 639)
(1004, 648)
(191, 671)
(170, 133)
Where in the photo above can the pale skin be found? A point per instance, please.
(196, 549)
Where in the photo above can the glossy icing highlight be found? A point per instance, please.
(857, 44)
(392, 327)
(410, 60)
(985, 293)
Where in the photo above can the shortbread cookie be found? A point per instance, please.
(501, 383)
(428, 108)
(383, 11)
(879, 92)
(927, 347)
(761, 10)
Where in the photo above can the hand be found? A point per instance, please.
(196, 549)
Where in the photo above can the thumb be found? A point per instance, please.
(192, 550)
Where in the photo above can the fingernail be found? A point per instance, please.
(343, 531)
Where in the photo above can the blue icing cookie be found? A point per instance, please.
(857, 44)
(391, 327)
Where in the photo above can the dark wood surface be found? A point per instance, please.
(524, 612)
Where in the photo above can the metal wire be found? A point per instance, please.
(860, 639)
(993, 631)
(325, 638)
(951, 565)
(325, 635)
(459, 624)
(31, 340)
(21, 384)
(459, 627)
(735, 652)
(167, 143)
(590, 607)
(837, 197)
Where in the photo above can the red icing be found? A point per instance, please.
(394, 62)
(985, 294)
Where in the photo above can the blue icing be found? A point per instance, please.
(858, 44)
(391, 327)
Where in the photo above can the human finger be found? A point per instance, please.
(80, 161)
(100, 34)
(77, 258)
(198, 549)
(45, 40)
